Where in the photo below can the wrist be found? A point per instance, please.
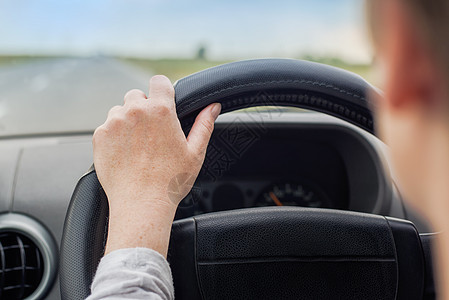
(132, 198)
(140, 223)
(140, 204)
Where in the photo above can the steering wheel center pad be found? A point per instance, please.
(293, 252)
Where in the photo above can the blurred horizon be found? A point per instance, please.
(175, 29)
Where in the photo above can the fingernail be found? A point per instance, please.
(216, 109)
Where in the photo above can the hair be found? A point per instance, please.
(432, 20)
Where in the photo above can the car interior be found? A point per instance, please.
(267, 160)
(306, 200)
(297, 197)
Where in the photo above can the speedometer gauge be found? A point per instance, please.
(293, 194)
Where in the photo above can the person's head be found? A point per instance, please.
(411, 38)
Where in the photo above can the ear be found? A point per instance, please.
(411, 68)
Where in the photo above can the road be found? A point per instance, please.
(63, 94)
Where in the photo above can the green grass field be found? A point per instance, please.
(173, 68)
(178, 68)
(17, 60)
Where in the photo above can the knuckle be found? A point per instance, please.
(116, 122)
(163, 85)
(167, 92)
(198, 158)
(99, 134)
(159, 79)
(208, 125)
(114, 109)
(133, 93)
(135, 110)
(162, 109)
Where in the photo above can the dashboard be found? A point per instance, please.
(309, 164)
(262, 158)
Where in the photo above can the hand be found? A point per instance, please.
(146, 165)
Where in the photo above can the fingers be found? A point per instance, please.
(162, 91)
(202, 129)
(134, 95)
(136, 102)
(114, 110)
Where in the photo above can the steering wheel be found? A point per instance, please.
(272, 252)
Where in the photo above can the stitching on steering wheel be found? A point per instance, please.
(277, 81)
(315, 102)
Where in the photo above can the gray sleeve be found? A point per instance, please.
(136, 273)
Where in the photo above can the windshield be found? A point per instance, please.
(64, 64)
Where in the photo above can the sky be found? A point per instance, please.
(231, 29)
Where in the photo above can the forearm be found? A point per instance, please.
(140, 223)
(137, 273)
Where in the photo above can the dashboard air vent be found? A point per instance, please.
(28, 258)
(21, 266)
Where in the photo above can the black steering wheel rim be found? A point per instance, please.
(236, 85)
(280, 82)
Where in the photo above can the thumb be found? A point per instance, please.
(202, 128)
